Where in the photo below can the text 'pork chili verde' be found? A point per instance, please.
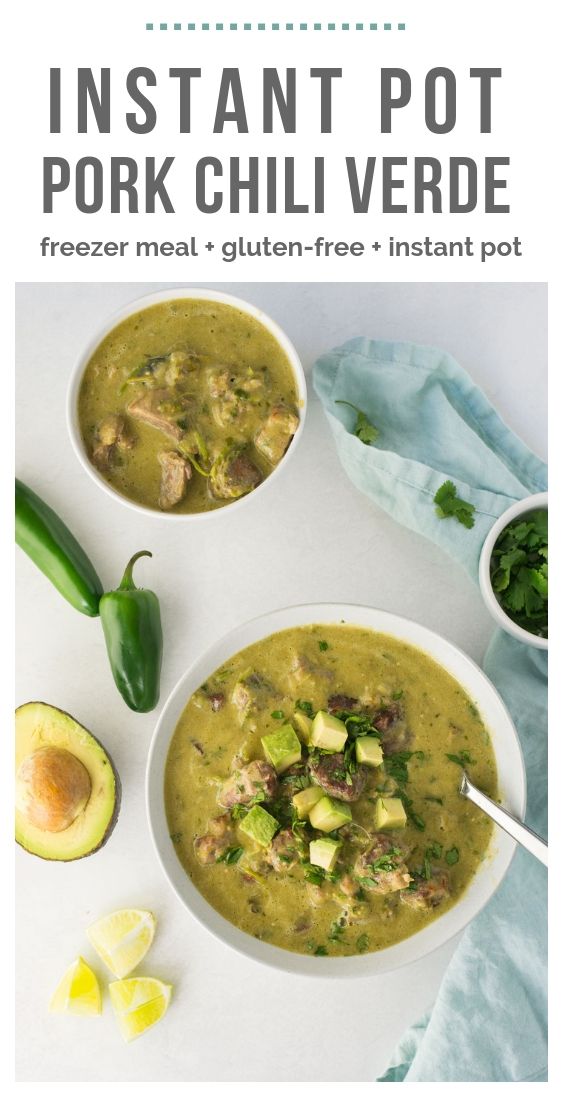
(311, 790)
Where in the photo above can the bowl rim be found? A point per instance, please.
(486, 880)
(518, 509)
(134, 307)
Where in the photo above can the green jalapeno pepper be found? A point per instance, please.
(53, 548)
(131, 620)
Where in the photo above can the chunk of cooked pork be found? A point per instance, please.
(425, 893)
(113, 435)
(233, 474)
(209, 847)
(162, 409)
(257, 780)
(283, 852)
(273, 438)
(176, 473)
(381, 868)
(331, 774)
(252, 693)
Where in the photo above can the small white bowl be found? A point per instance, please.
(169, 295)
(511, 780)
(519, 509)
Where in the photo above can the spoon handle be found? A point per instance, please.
(512, 826)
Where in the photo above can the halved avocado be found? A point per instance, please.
(67, 789)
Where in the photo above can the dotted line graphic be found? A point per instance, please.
(274, 26)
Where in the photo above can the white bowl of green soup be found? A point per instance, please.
(302, 790)
(188, 401)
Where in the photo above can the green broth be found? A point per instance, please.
(359, 663)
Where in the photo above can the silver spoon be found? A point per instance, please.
(512, 826)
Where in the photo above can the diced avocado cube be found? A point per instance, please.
(304, 801)
(369, 750)
(282, 748)
(329, 814)
(303, 725)
(328, 732)
(259, 825)
(390, 813)
(324, 852)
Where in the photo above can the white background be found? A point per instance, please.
(317, 539)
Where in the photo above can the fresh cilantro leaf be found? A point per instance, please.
(321, 951)
(238, 811)
(231, 855)
(452, 856)
(434, 851)
(277, 714)
(336, 932)
(367, 432)
(396, 765)
(306, 707)
(362, 943)
(412, 815)
(449, 504)
(323, 645)
(463, 758)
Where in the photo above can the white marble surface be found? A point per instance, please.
(230, 1019)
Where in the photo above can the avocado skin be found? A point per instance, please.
(117, 789)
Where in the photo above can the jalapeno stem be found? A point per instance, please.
(127, 580)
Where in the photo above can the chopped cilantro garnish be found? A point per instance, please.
(323, 645)
(336, 932)
(314, 874)
(462, 759)
(452, 856)
(306, 707)
(321, 951)
(277, 714)
(412, 815)
(238, 811)
(397, 695)
(385, 863)
(356, 723)
(231, 855)
(519, 572)
(362, 943)
(449, 504)
(396, 764)
(434, 850)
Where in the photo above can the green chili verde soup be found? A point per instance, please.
(311, 790)
(187, 405)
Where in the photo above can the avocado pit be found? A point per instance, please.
(52, 788)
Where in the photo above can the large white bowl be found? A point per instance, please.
(169, 295)
(519, 509)
(511, 773)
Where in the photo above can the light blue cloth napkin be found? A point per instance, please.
(489, 1022)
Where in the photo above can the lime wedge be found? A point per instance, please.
(122, 938)
(78, 992)
(139, 1003)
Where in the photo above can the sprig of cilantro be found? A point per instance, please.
(367, 432)
(449, 504)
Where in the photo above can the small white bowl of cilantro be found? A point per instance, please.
(513, 570)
